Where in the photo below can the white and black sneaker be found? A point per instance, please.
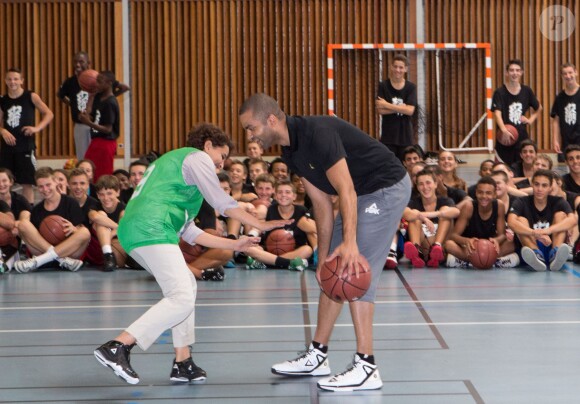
(313, 362)
(216, 274)
(187, 371)
(361, 375)
(508, 261)
(115, 355)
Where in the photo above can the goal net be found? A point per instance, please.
(453, 87)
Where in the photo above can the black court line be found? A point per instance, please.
(305, 309)
(474, 393)
(422, 310)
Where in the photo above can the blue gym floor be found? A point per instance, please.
(441, 336)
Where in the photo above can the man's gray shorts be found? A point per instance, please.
(379, 215)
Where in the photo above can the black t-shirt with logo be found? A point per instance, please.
(513, 107)
(319, 142)
(417, 203)
(78, 98)
(537, 219)
(397, 128)
(18, 113)
(567, 109)
(105, 112)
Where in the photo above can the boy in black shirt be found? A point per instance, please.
(483, 218)
(105, 219)
(541, 222)
(104, 121)
(572, 179)
(509, 104)
(565, 111)
(54, 203)
(17, 130)
(396, 103)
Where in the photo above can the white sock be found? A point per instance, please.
(48, 256)
(394, 246)
(254, 233)
(107, 249)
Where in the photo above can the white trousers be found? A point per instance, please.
(176, 310)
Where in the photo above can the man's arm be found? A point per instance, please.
(324, 218)
(384, 108)
(556, 137)
(340, 179)
(533, 116)
(120, 88)
(45, 112)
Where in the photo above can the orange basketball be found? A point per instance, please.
(346, 287)
(484, 255)
(280, 242)
(88, 80)
(190, 252)
(51, 229)
(506, 140)
(6, 237)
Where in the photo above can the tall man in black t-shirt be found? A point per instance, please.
(104, 122)
(566, 111)
(396, 103)
(333, 157)
(541, 222)
(509, 104)
(17, 109)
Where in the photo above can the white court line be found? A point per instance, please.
(297, 303)
(272, 326)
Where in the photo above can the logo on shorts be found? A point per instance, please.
(373, 209)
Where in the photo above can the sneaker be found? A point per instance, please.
(509, 261)
(361, 375)
(70, 264)
(413, 254)
(534, 258)
(115, 355)
(298, 264)
(435, 256)
(313, 362)
(25, 266)
(454, 262)
(559, 256)
(213, 274)
(187, 371)
(110, 263)
(391, 261)
(254, 264)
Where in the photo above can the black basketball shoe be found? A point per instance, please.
(187, 371)
(115, 355)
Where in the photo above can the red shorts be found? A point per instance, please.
(102, 153)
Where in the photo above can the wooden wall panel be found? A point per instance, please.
(40, 38)
(196, 60)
